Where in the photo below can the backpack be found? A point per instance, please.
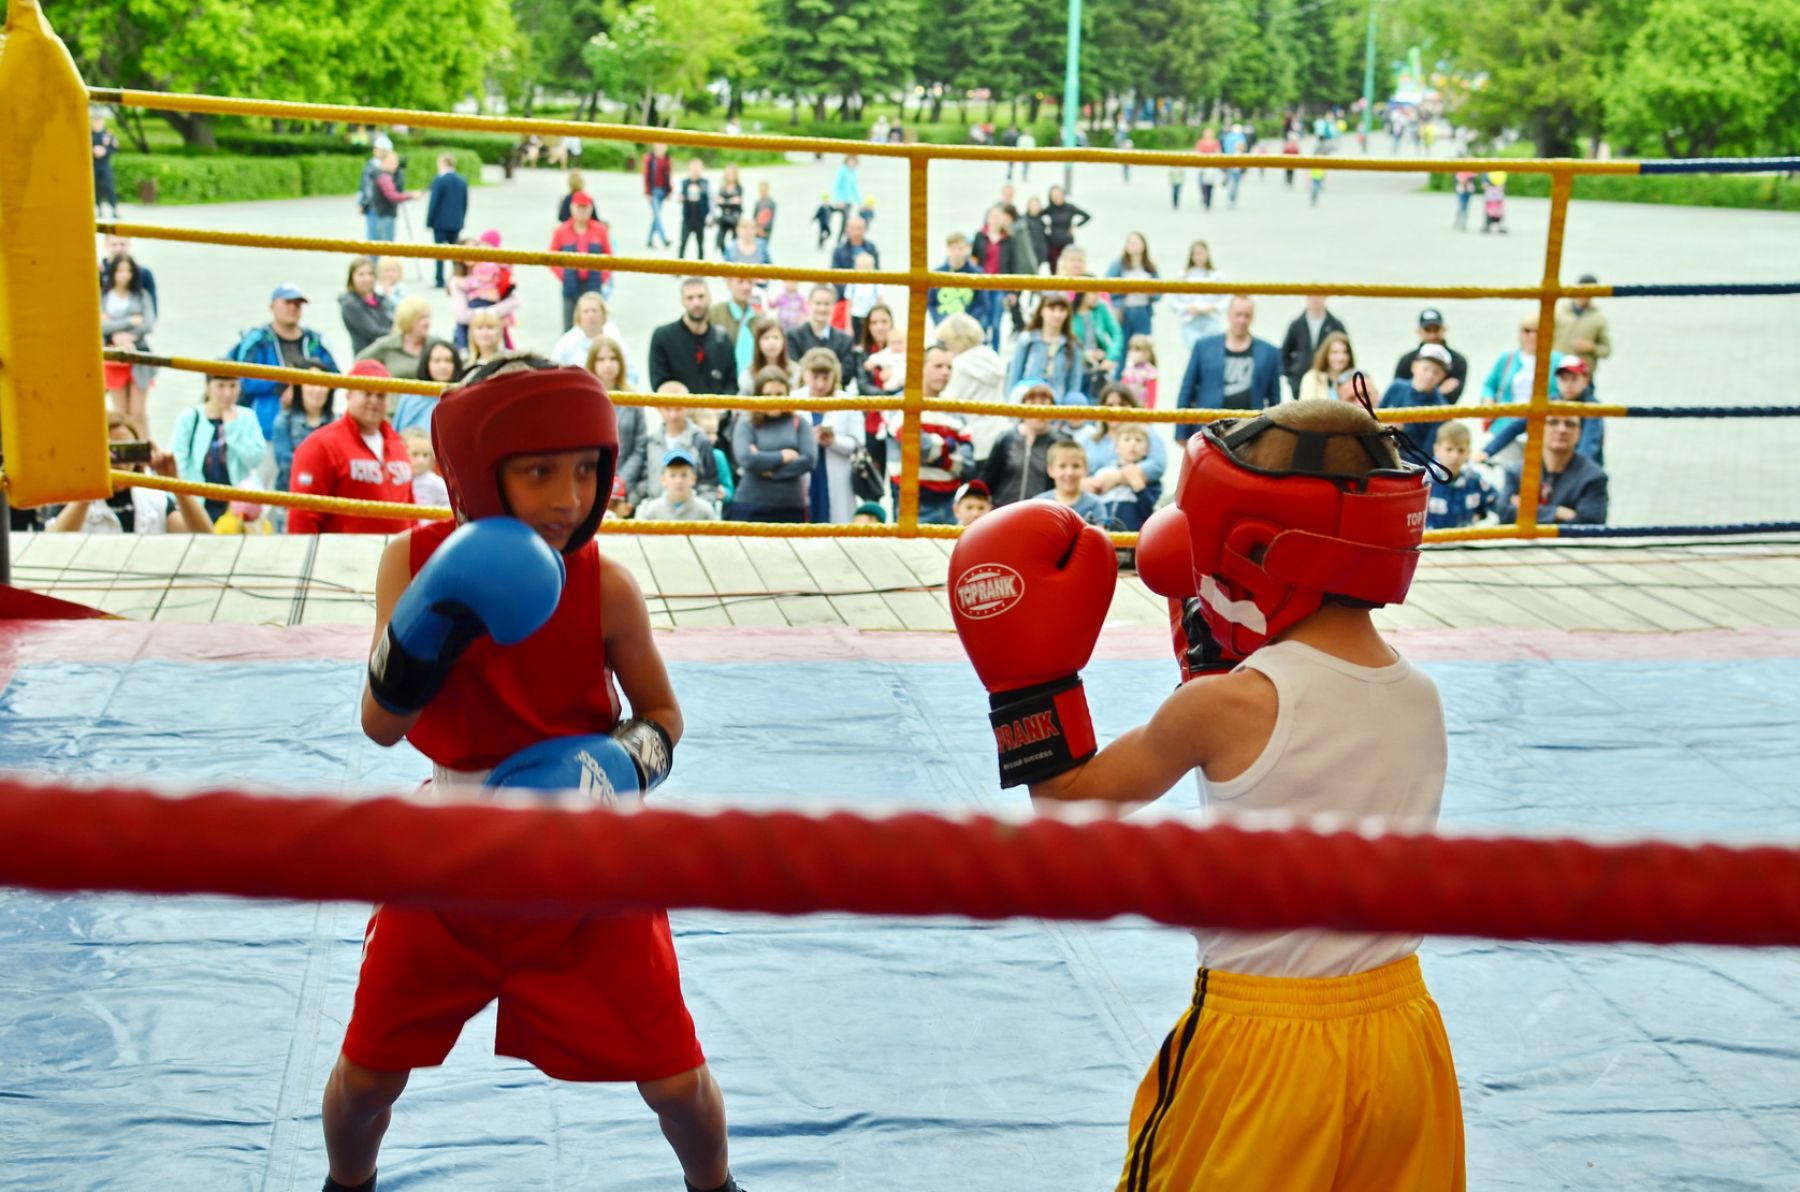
(365, 188)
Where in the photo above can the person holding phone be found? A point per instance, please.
(131, 509)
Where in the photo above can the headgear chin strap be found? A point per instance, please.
(1267, 546)
(531, 411)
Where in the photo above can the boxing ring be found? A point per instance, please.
(950, 996)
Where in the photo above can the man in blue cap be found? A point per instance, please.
(281, 343)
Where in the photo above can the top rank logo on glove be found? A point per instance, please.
(988, 590)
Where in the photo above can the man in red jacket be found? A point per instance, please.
(581, 232)
(359, 456)
(659, 180)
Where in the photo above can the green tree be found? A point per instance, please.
(1706, 77)
(669, 47)
(846, 48)
(551, 50)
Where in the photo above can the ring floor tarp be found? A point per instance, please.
(163, 1042)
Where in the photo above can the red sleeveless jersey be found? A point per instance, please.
(499, 699)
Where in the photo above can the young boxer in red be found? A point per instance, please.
(498, 639)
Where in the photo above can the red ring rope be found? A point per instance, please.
(388, 849)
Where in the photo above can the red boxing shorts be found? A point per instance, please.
(588, 999)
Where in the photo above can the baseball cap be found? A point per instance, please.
(582, 197)
(618, 488)
(1587, 279)
(974, 488)
(678, 455)
(1572, 364)
(288, 289)
(369, 368)
(1431, 315)
(381, 141)
(1435, 352)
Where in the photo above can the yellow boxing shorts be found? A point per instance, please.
(1286, 1084)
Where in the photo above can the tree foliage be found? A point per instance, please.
(850, 49)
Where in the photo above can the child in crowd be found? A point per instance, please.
(678, 502)
(390, 274)
(887, 367)
(696, 209)
(1318, 187)
(618, 506)
(1068, 467)
(972, 501)
(1128, 502)
(1493, 195)
(823, 217)
(862, 296)
(869, 513)
(1429, 368)
(428, 486)
(244, 517)
(788, 305)
(764, 211)
(1466, 497)
(1140, 368)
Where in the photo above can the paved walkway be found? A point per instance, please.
(1369, 228)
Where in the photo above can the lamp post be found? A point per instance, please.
(1071, 105)
(1369, 78)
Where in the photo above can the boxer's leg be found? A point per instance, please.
(358, 1107)
(691, 1111)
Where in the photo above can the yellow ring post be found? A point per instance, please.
(906, 513)
(52, 412)
(1531, 475)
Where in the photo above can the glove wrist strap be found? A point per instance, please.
(650, 748)
(1041, 731)
(401, 681)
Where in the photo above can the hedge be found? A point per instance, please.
(1767, 192)
(226, 179)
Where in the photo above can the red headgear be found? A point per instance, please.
(527, 412)
(1263, 548)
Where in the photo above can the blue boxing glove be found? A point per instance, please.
(496, 576)
(602, 769)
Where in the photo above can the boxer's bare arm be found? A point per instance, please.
(1218, 725)
(631, 651)
(380, 725)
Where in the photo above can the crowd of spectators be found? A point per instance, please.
(1063, 357)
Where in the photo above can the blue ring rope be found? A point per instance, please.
(1677, 531)
(1690, 291)
(1720, 165)
(1712, 411)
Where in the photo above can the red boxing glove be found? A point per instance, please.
(1029, 588)
(1165, 562)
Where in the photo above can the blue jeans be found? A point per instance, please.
(657, 198)
(443, 236)
(381, 227)
(1233, 180)
(1134, 320)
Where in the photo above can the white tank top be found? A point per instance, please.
(1351, 742)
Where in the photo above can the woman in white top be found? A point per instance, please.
(1331, 364)
(976, 374)
(130, 509)
(591, 320)
(127, 317)
(1202, 315)
(839, 435)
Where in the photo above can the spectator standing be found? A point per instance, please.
(581, 233)
(1581, 329)
(693, 349)
(1035, 226)
(769, 349)
(817, 331)
(1234, 142)
(1431, 364)
(446, 207)
(1025, 141)
(217, 441)
(1431, 331)
(846, 193)
(282, 343)
(976, 374)
(1465, 191)
(996, 252)
(731, 205)
(367, 315)
(1572, 487)
(398, 351)
(359, 456)
(308, 407)
(734, 314)
(1018, 466)
(854, 243)
(439, 362)
(943, 301)
(696, 209)
(1136, 309)
(130, 509)
(1233, 371)
(1061, 218)
(764, 212)
(1304, 335)
(1466, 497)
(385, 196)
(127, 317)
(1095, 327)
(106, 147)
(591, 320)
(838, 433)
(1206, 176)
(1177, 177)
(428, 486)
(659, 180)
(483, 286)
(1048, 353)
(1331, 363)
(1509, 380)
(748, 248)
(120, 246)
(1201, 315)
(606, 360)
(1493, 198)
(776, 452)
